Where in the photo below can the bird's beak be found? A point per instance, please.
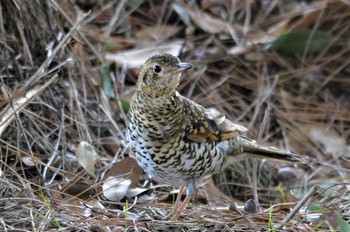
(179, 68)
(183, 66)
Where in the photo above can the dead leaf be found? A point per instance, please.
(278, 28)
(332, 142)
(28, 161)
(132, 192)
(7, 115)
(79, 190)
(251, 43)
(135, 58)
(111, 144)
(72, 205)
(87, 157)
(122, 180)
(212, 24)
(255, 56)
(128, 168)
(309, 14)
(115, 188)
(158, 32)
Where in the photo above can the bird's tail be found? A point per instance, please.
(257, 151)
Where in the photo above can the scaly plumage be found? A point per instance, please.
(176, 140)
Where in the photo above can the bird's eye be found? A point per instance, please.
(157, 69)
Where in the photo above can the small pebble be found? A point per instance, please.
(250, 206)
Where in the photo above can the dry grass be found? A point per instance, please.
(57, 89)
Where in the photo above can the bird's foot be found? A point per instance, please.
(183, 206)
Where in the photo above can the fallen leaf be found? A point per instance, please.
(158, 32)
(7, 115)
(135, 58)
(182, 12)
(132, 192)
(332, 142)
(343, 225)
(122, 180)
(278, 28)
(28, 161)
(79, 190)
(128, 168)
(87, 157)
(111, 144)
(72, 205)
(251, 43)
(297, 42)
(212, 24)
(115, 188)
(134, 3)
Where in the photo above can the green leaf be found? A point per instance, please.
(300, 192)
(313, 213)
(125, 105)
(343, 225)
(270, 223)
(283, 194)
(134, 3)
(106, 85)
(315, 208)
(297, 41)
(328, 189)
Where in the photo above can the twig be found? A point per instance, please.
(114, 19)
(78, 31)
(55, 151)
(298, 206)
(38, 74)
(8, 114)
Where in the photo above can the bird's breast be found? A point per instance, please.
(175, 160)
(156, 136)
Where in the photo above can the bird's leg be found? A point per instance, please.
(178, 198)
(190, 191)
(184, 205)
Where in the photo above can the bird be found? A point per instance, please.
(177, 141)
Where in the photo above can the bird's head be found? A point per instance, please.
(160, 75)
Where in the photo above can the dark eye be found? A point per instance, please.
(157, 69)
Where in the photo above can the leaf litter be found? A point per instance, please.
(64, 162)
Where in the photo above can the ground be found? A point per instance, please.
(68, 70)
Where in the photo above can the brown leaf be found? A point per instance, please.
(111, 144)
(128, 168)
(79, 189)
(212, 24)
(115, 188)
(121, 180)
(159, 32)
(135, 58)
(73, 205)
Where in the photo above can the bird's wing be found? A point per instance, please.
(202, 125)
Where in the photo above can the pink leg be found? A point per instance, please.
(178, 198)
(190, 191)
(183, 205)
